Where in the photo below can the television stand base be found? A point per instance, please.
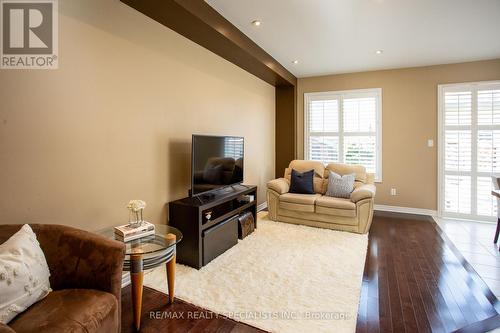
(210, 226)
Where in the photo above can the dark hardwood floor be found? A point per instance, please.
(415, 280)
(158, 316)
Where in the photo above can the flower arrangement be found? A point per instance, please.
(136, 208)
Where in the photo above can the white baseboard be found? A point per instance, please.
(407, 210)
(262, 206)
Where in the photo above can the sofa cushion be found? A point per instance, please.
(70, 310)
(345, 169)
(306, 218)
(303, 165)
(339, 203)
(297, 207)
(335, 206)
(335, 212)
(302, 182)
(304, 199)
(298, 202)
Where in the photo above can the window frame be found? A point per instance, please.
(474, 128)
(340, 96)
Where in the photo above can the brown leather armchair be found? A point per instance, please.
(85, 276)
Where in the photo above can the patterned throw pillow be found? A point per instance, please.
(302, 182)
(340, 186)
(24, 274)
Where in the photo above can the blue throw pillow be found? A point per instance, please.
(302, 182)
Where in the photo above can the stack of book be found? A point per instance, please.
(127, 232)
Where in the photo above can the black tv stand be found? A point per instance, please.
(206, 197)
(210, 226)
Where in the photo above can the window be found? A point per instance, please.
(345, 127)
(469, 153)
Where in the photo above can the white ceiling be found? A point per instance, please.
(341, 36)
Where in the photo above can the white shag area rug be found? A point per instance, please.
(281, 278)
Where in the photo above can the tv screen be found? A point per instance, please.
(217, 161)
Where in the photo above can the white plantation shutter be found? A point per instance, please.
(457, 194)
(360, 114)
(458, 151)
(488, 107)
(458, 107)
(458, 147)
(488, 147)
(324, 148)
(488, 151)
(323, 129)
(486, 203)
(344, 127)
(470, 154)
(361, 150)
(324, 116)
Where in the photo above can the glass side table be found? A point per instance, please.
(146, 253)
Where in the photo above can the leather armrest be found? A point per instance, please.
(81, 259)
(365, 191)
(280, 185)
(6, 329)
(77, 258)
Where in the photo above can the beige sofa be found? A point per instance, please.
(317, 210)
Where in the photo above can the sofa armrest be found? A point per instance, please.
(365, 191)
(81, 259)
(280, 185)
(370, 178)
(6, 329)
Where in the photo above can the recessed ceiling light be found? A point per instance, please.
(379, 51)
(256, 23)
(295, 62)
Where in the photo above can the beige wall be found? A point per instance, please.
(409, 118)
(114, 123)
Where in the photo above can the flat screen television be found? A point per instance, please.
(216, 162)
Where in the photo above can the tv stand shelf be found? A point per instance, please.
(229, 214)
(209, 225)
